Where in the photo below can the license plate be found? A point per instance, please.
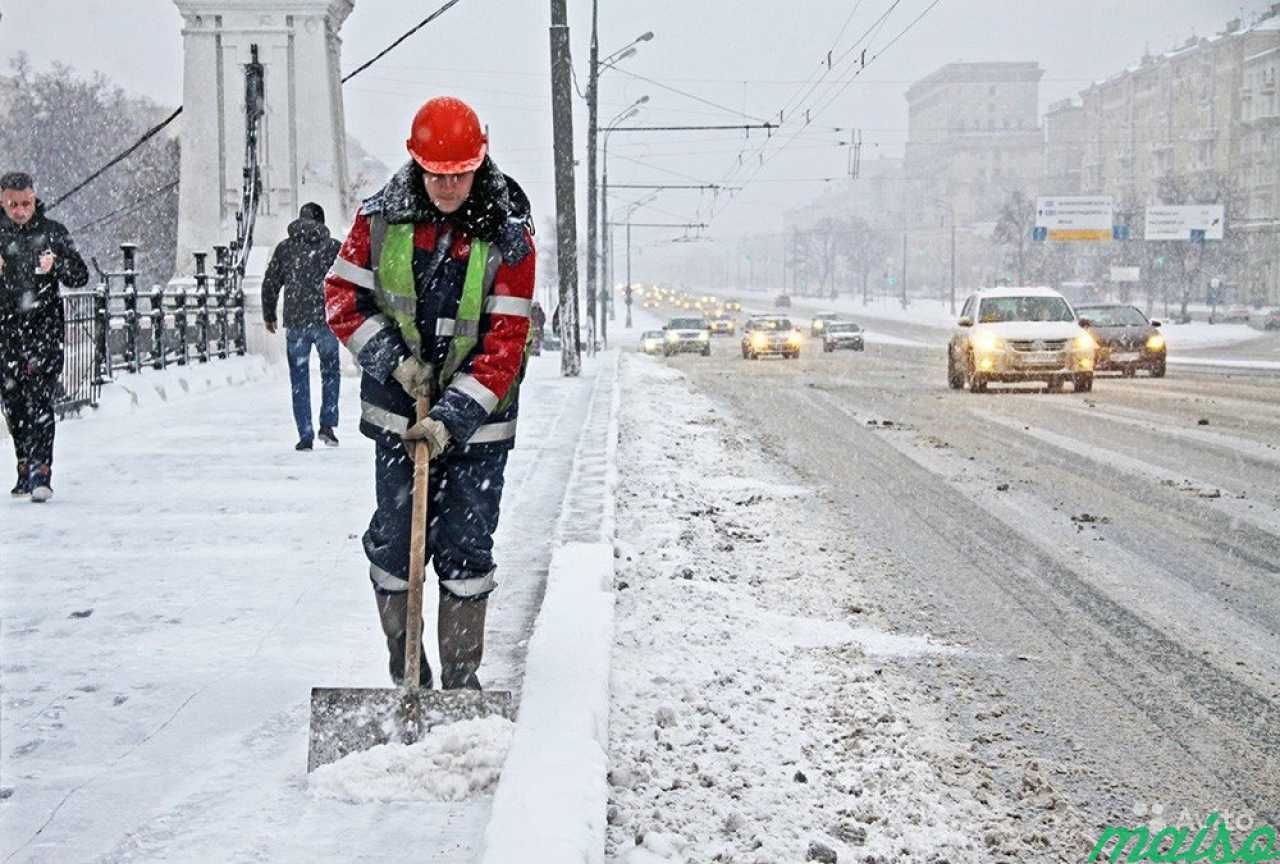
(1040, 358)
(1128, 357)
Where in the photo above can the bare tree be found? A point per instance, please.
(1013, 231)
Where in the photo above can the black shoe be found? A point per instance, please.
(23, 487)
(304, 444)
(326, 435)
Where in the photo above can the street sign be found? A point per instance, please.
(1074, 218)
(1185, 222)
(1125, 274)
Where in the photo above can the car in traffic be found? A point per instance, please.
(770, 334)
(1272, 321)
(842, 334)
(820, 321)
(722, 325)
(1127, 340)
(651, 341)
(686, 336)
(1237, 314)
(732, 306)
(782, 301)
(1019, 334)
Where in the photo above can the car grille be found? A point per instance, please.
(1039, 345)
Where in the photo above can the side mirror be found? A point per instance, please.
(966, 321)
(1155, 323)
(1086, 322)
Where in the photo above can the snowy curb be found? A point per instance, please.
(550, 802)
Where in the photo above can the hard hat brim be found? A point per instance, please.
(461, 166)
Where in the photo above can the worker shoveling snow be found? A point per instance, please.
(452, 762)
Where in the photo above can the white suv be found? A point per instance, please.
(1019, 334)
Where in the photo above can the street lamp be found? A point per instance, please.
(593, 89)
(607, 263)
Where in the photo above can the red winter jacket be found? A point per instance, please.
(496, 211)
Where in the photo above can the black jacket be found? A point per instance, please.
(299, 265)
(31, 317)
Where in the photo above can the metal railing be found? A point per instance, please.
(116, 327)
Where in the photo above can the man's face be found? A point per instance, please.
(448, 191)
(20, 204)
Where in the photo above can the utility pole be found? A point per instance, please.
(593, 76)
(566, 215)
(953, 262)
(628, 274)
(904, 269)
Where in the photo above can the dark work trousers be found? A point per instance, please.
(466, 489)
(27, 395)
(298, 342)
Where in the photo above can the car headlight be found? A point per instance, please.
(818, 325)
(1084, 342)
(759, 340)
(794, 338)
(673, 337)
(1155, 343)
(704, 335)
(988, 343)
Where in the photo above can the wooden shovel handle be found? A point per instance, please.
(417, 556)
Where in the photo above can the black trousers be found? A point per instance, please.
(27, 395)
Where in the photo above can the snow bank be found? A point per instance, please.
(151, 388)
(550, 802)
(452, 762)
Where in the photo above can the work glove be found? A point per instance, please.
(415, 377)
(430, 430)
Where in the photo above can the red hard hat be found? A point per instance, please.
(446, 137)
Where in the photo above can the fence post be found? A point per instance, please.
(101, 331)
(180, 323)
(220, 294)
(129, 253)
(202, 307)
(157, 327)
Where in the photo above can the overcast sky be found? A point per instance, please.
(749, 57)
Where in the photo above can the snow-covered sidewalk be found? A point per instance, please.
(164, 619)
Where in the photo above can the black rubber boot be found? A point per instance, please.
(23, 487)
(41, 483)
(393, 609)
(461, 630)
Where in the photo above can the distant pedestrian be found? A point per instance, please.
(36, 255)
(299, 265)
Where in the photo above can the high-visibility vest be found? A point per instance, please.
(395, 292)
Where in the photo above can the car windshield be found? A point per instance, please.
(1113, 316)
(687, 324)
(997, 310)
(771, 324)
(843, 327)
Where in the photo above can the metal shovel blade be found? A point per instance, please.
(349, 719)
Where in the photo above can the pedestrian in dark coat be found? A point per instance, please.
(298, 266)
(36, 255)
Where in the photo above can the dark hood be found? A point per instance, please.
(309, 231)
(1122, 335)
(495, 200)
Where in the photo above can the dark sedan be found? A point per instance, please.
(1127, 340)
(842, 334)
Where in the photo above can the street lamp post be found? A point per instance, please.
(607, 262)
(593, 93)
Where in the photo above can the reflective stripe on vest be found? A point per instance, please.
(395, 292)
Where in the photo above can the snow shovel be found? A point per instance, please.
(349, 719)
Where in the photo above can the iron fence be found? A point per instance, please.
(117, 327)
